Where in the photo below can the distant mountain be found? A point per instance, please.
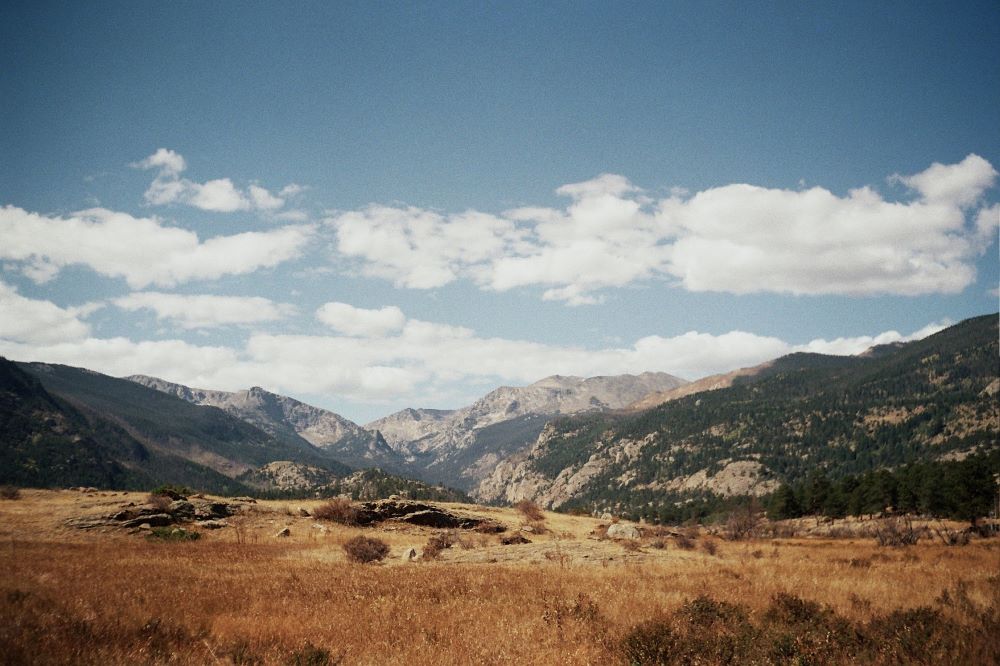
(461, 447)
(934, 399)
(289, 419)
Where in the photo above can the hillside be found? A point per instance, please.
(461, 447)
(287, 418)
(926, 400)
(45, 441)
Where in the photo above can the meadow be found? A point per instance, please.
(244, 595)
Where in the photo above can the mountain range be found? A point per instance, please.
(618, 442)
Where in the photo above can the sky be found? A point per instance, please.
(372, 206)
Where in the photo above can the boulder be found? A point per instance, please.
(623, 531)
(514, 539)
(181, 510)
(410, 554)
(286, 532)
(153, 520)
(304, 512)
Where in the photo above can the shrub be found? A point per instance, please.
(438, 543)
(364, 549)
(652, 642)
(338, 510)
(530, 510)
(159, 501)
(310, 655)
(173, 534)
(172, 490)
(896, 532)
(709, 546)
(10, 493)
(684, 542)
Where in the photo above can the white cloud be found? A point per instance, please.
(350, 320)
(961, 184)
(734, 238)
(219, 195)
(418, 248)
(164, 159)
(29, 320)
(382, 356)
(141, 250)
(206, 311)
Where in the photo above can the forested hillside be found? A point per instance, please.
(934, 399)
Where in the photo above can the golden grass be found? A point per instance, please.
(246, 596)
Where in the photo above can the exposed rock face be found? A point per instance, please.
(464, 446)
(277, 414)
(515, 479)
(285, 475)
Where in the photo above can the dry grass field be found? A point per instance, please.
(243, 595)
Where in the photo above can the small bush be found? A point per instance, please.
(158, 501)
(10, 493)
(173, 534)
(632, 546)
(709, 546)
(172, 490)
(659, 543)
(438, 543)
(530, 510)
(684, 542)
(896, 532)
(338, 510)
(364, 549)
(310, 655)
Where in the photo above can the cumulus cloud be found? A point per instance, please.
(219, 195)
(382, 356)
(349, 320)
(38, 321)
(735, 238)
(199, 311)
(141, 250)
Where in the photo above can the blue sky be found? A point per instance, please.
(376, 206)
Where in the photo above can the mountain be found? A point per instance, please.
(48, 440)
(934, 399)
(287, 418)
(461, 447)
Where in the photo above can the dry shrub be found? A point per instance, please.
(338, 510)
(437, 543)
(658, 543)
(632, 545)
(950, 537)
(490, 527)
(896, 532)
(159, 501)
(709, 546)
(601, 532)
(530, 510)
(311, 655)
(684, 542)
(744, 522)
(364, 549)
(10, 492)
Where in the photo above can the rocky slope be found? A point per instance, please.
(286, 478)
(933, 399)
(463, 446)
(342, 439)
